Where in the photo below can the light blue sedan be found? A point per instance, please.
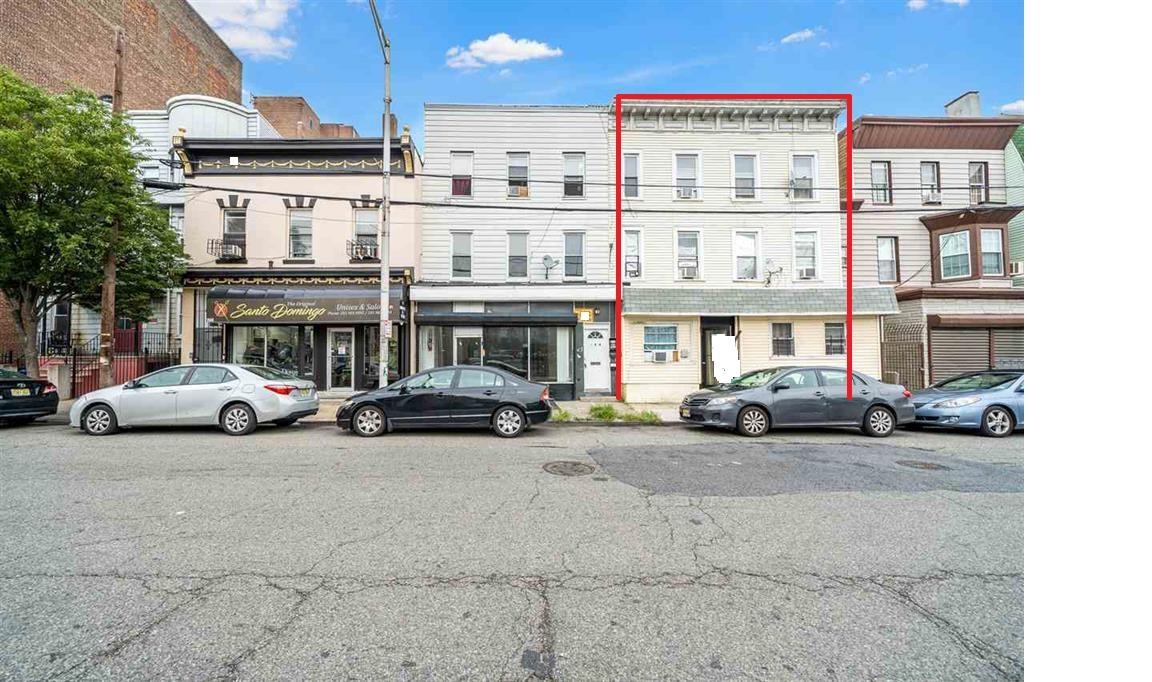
(991, 401)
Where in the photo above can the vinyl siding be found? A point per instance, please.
(1014, 176)
(756, 343)
(650, 382)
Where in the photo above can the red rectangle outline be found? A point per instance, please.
(846, 97)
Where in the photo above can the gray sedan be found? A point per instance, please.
(237, 397)
(800, 396)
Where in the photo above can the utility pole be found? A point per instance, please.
(385, 172)
(108, 293)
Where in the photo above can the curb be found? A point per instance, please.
(612, 423)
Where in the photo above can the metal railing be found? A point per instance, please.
(363, 248)
(227, 249)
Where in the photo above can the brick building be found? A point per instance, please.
(293, 117)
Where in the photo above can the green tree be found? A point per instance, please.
(67, 170)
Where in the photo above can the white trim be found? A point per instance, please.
(452, 254)
(815, 231)
(758, 255)
(536, 291)
(471, 174)
(583, 256)
(508, 255)
(311, 234)
(583, 176)
(624, 253)
(699, 254)
(756, 195)
(815, 173)
(508, 175)
(967, 251)
(639, 175)
(699, 174)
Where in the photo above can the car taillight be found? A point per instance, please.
(49, 388)
(907, 393)
(282, 389)
(544, 395)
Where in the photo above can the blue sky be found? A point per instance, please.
(904, 57)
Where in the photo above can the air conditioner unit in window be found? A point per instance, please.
(661, 356)
(685, 192)
(689, 272)
(1016, 268)
(806, 273)
(517, 191)
(932, 197)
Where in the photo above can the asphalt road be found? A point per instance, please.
(303, 552)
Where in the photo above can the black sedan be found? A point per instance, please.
(800, 396)
(461, 396)
(23, 399)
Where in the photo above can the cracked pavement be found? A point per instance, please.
(303, 552)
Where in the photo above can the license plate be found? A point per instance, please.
(20, 392)
(685, 412)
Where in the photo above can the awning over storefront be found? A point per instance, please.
(303, 305)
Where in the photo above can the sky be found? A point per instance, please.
(896, 57)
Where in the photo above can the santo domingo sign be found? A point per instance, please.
(247, 305)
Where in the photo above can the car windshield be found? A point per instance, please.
(754, 379)
(981, 381)
(9, 374)
(268, 372)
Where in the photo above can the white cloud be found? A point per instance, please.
(825, 44)
(958, 3)
(917, 5)
(766, 47)
(865, 78)
(801, 35)
(504, 73)
(1014, 108)
(498, 48)
(255, 28)
(905, 70)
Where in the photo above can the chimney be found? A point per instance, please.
(964, 106)
(393, 126)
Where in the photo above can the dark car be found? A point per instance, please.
(766, 399)
(23, 399)
(461, 396)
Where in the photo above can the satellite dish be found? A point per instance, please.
(549, 262)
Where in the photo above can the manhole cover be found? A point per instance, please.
(569, 468)
(916, 464)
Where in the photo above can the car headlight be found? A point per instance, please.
(726, 400)
(958, 402)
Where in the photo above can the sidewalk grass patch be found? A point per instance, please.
(603, 412)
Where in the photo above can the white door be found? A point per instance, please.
(597, 371)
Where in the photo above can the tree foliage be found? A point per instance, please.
(67, 172)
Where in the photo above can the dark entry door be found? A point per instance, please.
(710, 326)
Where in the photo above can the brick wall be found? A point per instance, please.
(291, 116)
(170, 49)
(9, 341)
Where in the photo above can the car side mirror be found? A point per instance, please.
(130, 384)
(1020, 390)
(780, 387)
(404, 390)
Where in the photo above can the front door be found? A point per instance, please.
(467, 351)
(802, 402)
(475, 396)
(340, 359)
(597, 370)
(841, 410)
(718, 350)
(423, 400)
(153, 398)
(200, 399)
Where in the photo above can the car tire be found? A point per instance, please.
(997, 422)
(879, 422)
(752, 421)
(368, 422)
(509, 421)
(99, 420)
(286, 422)
(238, 419)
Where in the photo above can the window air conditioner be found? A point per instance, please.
(932, 197)
(685, 192)
(807, 273)
(689, 272)
(661, 356)
(1016, 268)
(517, 191)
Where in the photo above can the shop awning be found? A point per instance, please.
(303, 305)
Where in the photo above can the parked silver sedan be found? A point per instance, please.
(237, 397)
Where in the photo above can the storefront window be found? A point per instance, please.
(280, 347)
(248, 344)
(370, 359)
(542, 354)
(551, 355)
(282, 350)
(506, 348)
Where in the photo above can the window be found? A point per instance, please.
(838, 377)
(954, 256)
(176, 221)
(834, 338)
(300, 233)
(659, 337)
(506, 348)
(744, 176)
(632, 176)
(235, 232)
(574, 255)
(688, 255)
(574, 174)
(518, 174)
(881, 182)
(461, 168)
(686, 173)
(165, 377)
(439, 378)
(210, 375)
(550, 354)
(461, 255)
(930, 182)
(804, 254)
(802, 378)
(633, 267)
(478, 378)
(364, 239)
(782, 341)
(517, 255)
(803, 176)
(977, 182)
(991, 252)
(745, 250)
(887, 263)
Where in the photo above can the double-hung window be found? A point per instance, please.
(991, 252)
(574, 174)
(659, 337)
(745, 258)
(176, 221)
(977, 182)
(632, 176)
(235, 234)
(955, 260)
(518, 174)
(633, 267)
(804, 254)
(517, 255)
(744, 176)
(574, 255)
(881, 182)
(834, 338)
(782, 341)
(887, 263)
(930, 182)
(367, 226)
(687, 173)
(461, 255)
(461, 169)
(803, 176)
(688, 255)
(300, 233)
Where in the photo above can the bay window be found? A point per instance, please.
(955, 259)
(991, 252)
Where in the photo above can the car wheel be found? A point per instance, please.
(368, 421)
(879, 422)
(238, 420)
(752, 421)
(98, 420)
(997, 422)
(285, 422)
(508, 422)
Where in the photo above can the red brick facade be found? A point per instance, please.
(293, 117)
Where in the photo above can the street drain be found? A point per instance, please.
(917, 464)
(569, 468)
